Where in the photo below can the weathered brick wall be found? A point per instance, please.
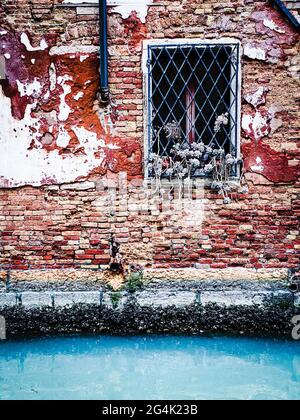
(58, 144)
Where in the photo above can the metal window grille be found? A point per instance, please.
(189, 86)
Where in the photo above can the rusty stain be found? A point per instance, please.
(64, 105)
(274, 166)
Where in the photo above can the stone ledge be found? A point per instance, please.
(230, 274)
(72, 276)
(146, 298)
(170, 309)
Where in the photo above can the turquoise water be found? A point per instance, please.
(149, 368)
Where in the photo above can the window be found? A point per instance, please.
(190, 88)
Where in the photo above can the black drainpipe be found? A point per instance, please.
(104, 90)
(287, 13)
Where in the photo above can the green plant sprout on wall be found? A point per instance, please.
(135, 281)
(115, 297)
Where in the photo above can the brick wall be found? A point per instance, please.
(61, 149)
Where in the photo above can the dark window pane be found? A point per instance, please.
(190, 86)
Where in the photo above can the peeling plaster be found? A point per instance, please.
(83, 58)
(274, 33)
(139, 6)
(47, 136)
(257, 98)
(275, 124)
(30, 89)
(90, 140)
(124, 7)
(66, 120)
(269, 23)
(262, 123)
(52, 77)
(63, 138)
(25, 41)
(106, 121)
(64, 109)
(21, 166)
(259, 167)
(256, 127)
(78, 96)
(274, 166)
(255, 53)
(73, 49)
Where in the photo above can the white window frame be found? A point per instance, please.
(146, 83)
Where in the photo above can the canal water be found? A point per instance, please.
(152, 367)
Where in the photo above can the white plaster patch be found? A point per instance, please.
(33, 60)
(113, 146)
(64, 109)
(275, 124)
(52, 77)
(89, 140)
(104, 115)
(30, 89)
(63, 138)
(7, 56)
(256, 126)
(25, 41)
(269, 23)
(257, 98)
(79, 96)
(255, 53)
(124, 7)
(83, 58)
(73, 49)
(2, 33)
(21, 166)
(259, 167)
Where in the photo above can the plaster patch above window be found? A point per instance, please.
(124, 7)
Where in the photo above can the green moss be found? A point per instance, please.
(135, 281)
(115, 299)
(285, 304)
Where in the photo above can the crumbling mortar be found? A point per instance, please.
(167, 24)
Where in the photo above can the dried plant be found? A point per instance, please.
(188, 160)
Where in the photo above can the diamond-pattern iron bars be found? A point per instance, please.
(213, 70)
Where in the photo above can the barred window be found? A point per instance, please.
(192, 91)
